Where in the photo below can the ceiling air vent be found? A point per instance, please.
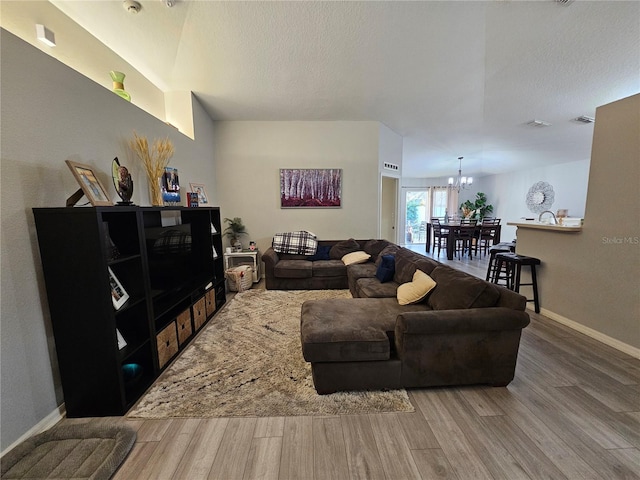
(584, 119)
(564, 2)
(538, 123)
(391, 166)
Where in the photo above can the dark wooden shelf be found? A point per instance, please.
(76, 249)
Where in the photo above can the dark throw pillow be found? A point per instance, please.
(322, 253)
(340, 249)
(386, 269)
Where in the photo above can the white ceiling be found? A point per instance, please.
(454, 78)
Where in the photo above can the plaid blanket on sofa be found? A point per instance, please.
(298, 243)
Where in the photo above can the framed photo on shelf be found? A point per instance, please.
(171, 186)
(89, 184)
(192, 199)
(202, 195)
(121, 341)
(119, 295)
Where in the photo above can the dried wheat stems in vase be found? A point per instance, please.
(156, 159)
(153, 160)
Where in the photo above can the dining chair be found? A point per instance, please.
(486, 235)
(440, 235)
(464, 236)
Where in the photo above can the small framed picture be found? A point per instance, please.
(89, 183)
(192, 199)
(202, 195)
(119, 295)
(171, 186)
(121, 341)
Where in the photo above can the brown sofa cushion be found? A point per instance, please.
(329, 268)
(373, 247)
(349, 329)
(405, 267)
(372, 288)
(390, 249)
(361, 270)
(407, 262)
(457, 290)
(292, 256)
(340, 249)
(293, 269)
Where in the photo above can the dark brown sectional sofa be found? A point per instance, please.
(465, 331)
(285, 271)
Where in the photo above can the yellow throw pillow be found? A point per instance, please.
(415, 290)
(355, 257)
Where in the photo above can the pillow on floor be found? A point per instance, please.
(415, 290)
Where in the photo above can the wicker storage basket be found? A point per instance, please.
(239, 278)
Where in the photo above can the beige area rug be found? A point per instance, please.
(248, 362)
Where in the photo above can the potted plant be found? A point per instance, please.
(233, 232)
(479, 208)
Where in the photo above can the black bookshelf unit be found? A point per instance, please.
(128, 288)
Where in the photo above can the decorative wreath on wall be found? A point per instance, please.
(540, 197)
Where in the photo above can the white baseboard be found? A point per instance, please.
(590, 332)
(45, 424)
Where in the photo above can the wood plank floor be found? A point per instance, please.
(572, 412)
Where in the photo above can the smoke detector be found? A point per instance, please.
(131, 6)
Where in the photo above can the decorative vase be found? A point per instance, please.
(155, 192)
(118, 84)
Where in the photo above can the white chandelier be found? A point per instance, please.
(460, 182)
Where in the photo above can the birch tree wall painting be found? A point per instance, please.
(310, 187)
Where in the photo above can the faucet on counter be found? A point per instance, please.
(555, 220)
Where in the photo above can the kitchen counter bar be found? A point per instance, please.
(544, 226)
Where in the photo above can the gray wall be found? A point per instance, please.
(591, 277)
(51, 113)
(249, 156)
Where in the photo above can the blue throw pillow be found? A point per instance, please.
(322, 253)
(386, 269)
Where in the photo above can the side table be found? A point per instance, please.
(245, 257)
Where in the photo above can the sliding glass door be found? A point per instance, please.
(416, 217)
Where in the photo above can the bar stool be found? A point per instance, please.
(503, 247)
(513, 263)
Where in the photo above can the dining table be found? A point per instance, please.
(451, 243)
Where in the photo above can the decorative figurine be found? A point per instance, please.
(122, 181)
